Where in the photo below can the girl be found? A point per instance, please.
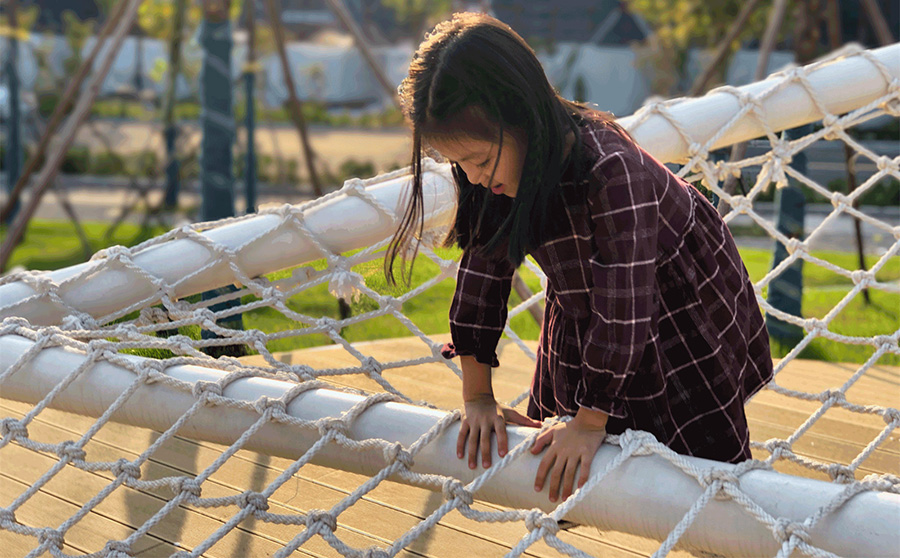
(651, 322)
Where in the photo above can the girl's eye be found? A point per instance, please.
(484, 164)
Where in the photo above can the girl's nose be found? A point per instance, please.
(473, 175)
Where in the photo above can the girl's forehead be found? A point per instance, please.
(460, 147)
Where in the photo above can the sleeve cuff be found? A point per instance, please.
(599, 402)
(449, 350)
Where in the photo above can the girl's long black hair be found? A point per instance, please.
(473, 76)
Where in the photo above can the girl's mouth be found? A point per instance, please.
(497, 189)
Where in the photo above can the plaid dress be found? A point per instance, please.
(650, 315)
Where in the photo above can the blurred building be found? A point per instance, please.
(304, 20)
(598, 22)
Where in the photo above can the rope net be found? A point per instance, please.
(158, 329)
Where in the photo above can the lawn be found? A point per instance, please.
(50, 245)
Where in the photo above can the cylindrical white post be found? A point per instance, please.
(645, 496)
(348, 222)
(786, 108)
(263, 244)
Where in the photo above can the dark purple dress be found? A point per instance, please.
(650, 315)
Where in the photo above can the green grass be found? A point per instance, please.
(51, 245)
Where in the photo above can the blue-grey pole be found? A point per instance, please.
(13, 162)
(218, 129)
(250, 121)
(786, 290)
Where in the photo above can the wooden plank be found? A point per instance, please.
(48, 510)
(413, 504)
(235, 475)
(829, 450)
(835, 423)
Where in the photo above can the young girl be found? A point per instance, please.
(651, 322)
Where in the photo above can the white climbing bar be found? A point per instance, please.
(646, 495)
(841, 86)
(184, 262)
(345, 220)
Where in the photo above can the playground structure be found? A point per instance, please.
(69, 337)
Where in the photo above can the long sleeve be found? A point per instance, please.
(479, 308)
(625, 219)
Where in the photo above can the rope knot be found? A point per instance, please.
(117, 549)
(862, 276)
(118, 254)
(832, 395)
(695, 149)
(815, 324)
(719, 478)
(354, 187)
(51, 538)
(265, 403)
(186, 485)
(203, 389)
(316, 520)
(639, 441)
(781, 152)
(840, 201)
(889, 340)
(740, 204)
(840, 473)
(452, 488)
(785, 529)
(328, 425)
(71, 450)
(373, 367)
(886, 163)
(777, 446)
(396, 454)
(536, 519)
(794, 244)
(73, 322)
(374, 552)
(126, 469)
(891, 416)
(345, 283)
(7, 517)
(13, 428)
(832, 126)
(256, 501)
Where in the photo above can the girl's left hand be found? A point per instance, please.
(570, 443)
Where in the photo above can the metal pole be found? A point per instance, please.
(218, 129)
(170, 132)
(250, 117)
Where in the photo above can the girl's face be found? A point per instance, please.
(477, 157)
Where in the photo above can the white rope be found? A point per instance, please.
(159, 306)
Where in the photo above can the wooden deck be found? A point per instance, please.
(391, 509)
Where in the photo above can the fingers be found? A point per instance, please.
(543, 468)
(461, 439)
(568, 478)
(502, 441)
(486, 446)
(515, 417)
(542, 441)
(556, 477)
(473, 447)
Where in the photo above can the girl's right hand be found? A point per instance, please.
(481, 416)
